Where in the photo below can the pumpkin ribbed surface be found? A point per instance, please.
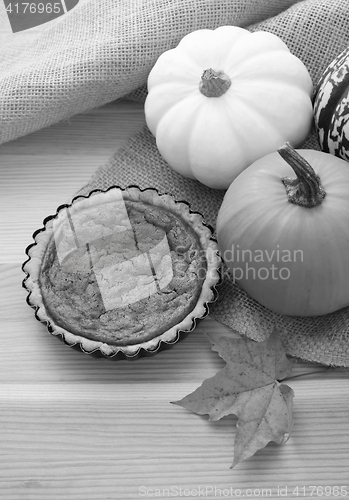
(224, 98)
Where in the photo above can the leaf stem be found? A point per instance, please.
(317, 372)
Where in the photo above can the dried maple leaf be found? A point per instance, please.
(248, 387)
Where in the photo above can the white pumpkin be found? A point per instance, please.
(224, 98)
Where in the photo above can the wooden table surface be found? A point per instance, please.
(73, 427)
(76, 427)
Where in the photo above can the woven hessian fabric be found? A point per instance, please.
(104, 51)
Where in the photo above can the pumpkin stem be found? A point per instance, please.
(306, 189)
(214, 83)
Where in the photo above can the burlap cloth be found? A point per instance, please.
(104, 51)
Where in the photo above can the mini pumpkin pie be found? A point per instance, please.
(122, 270)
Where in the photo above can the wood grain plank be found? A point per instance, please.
(98, 132)
(60, 442)
(45, 169)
